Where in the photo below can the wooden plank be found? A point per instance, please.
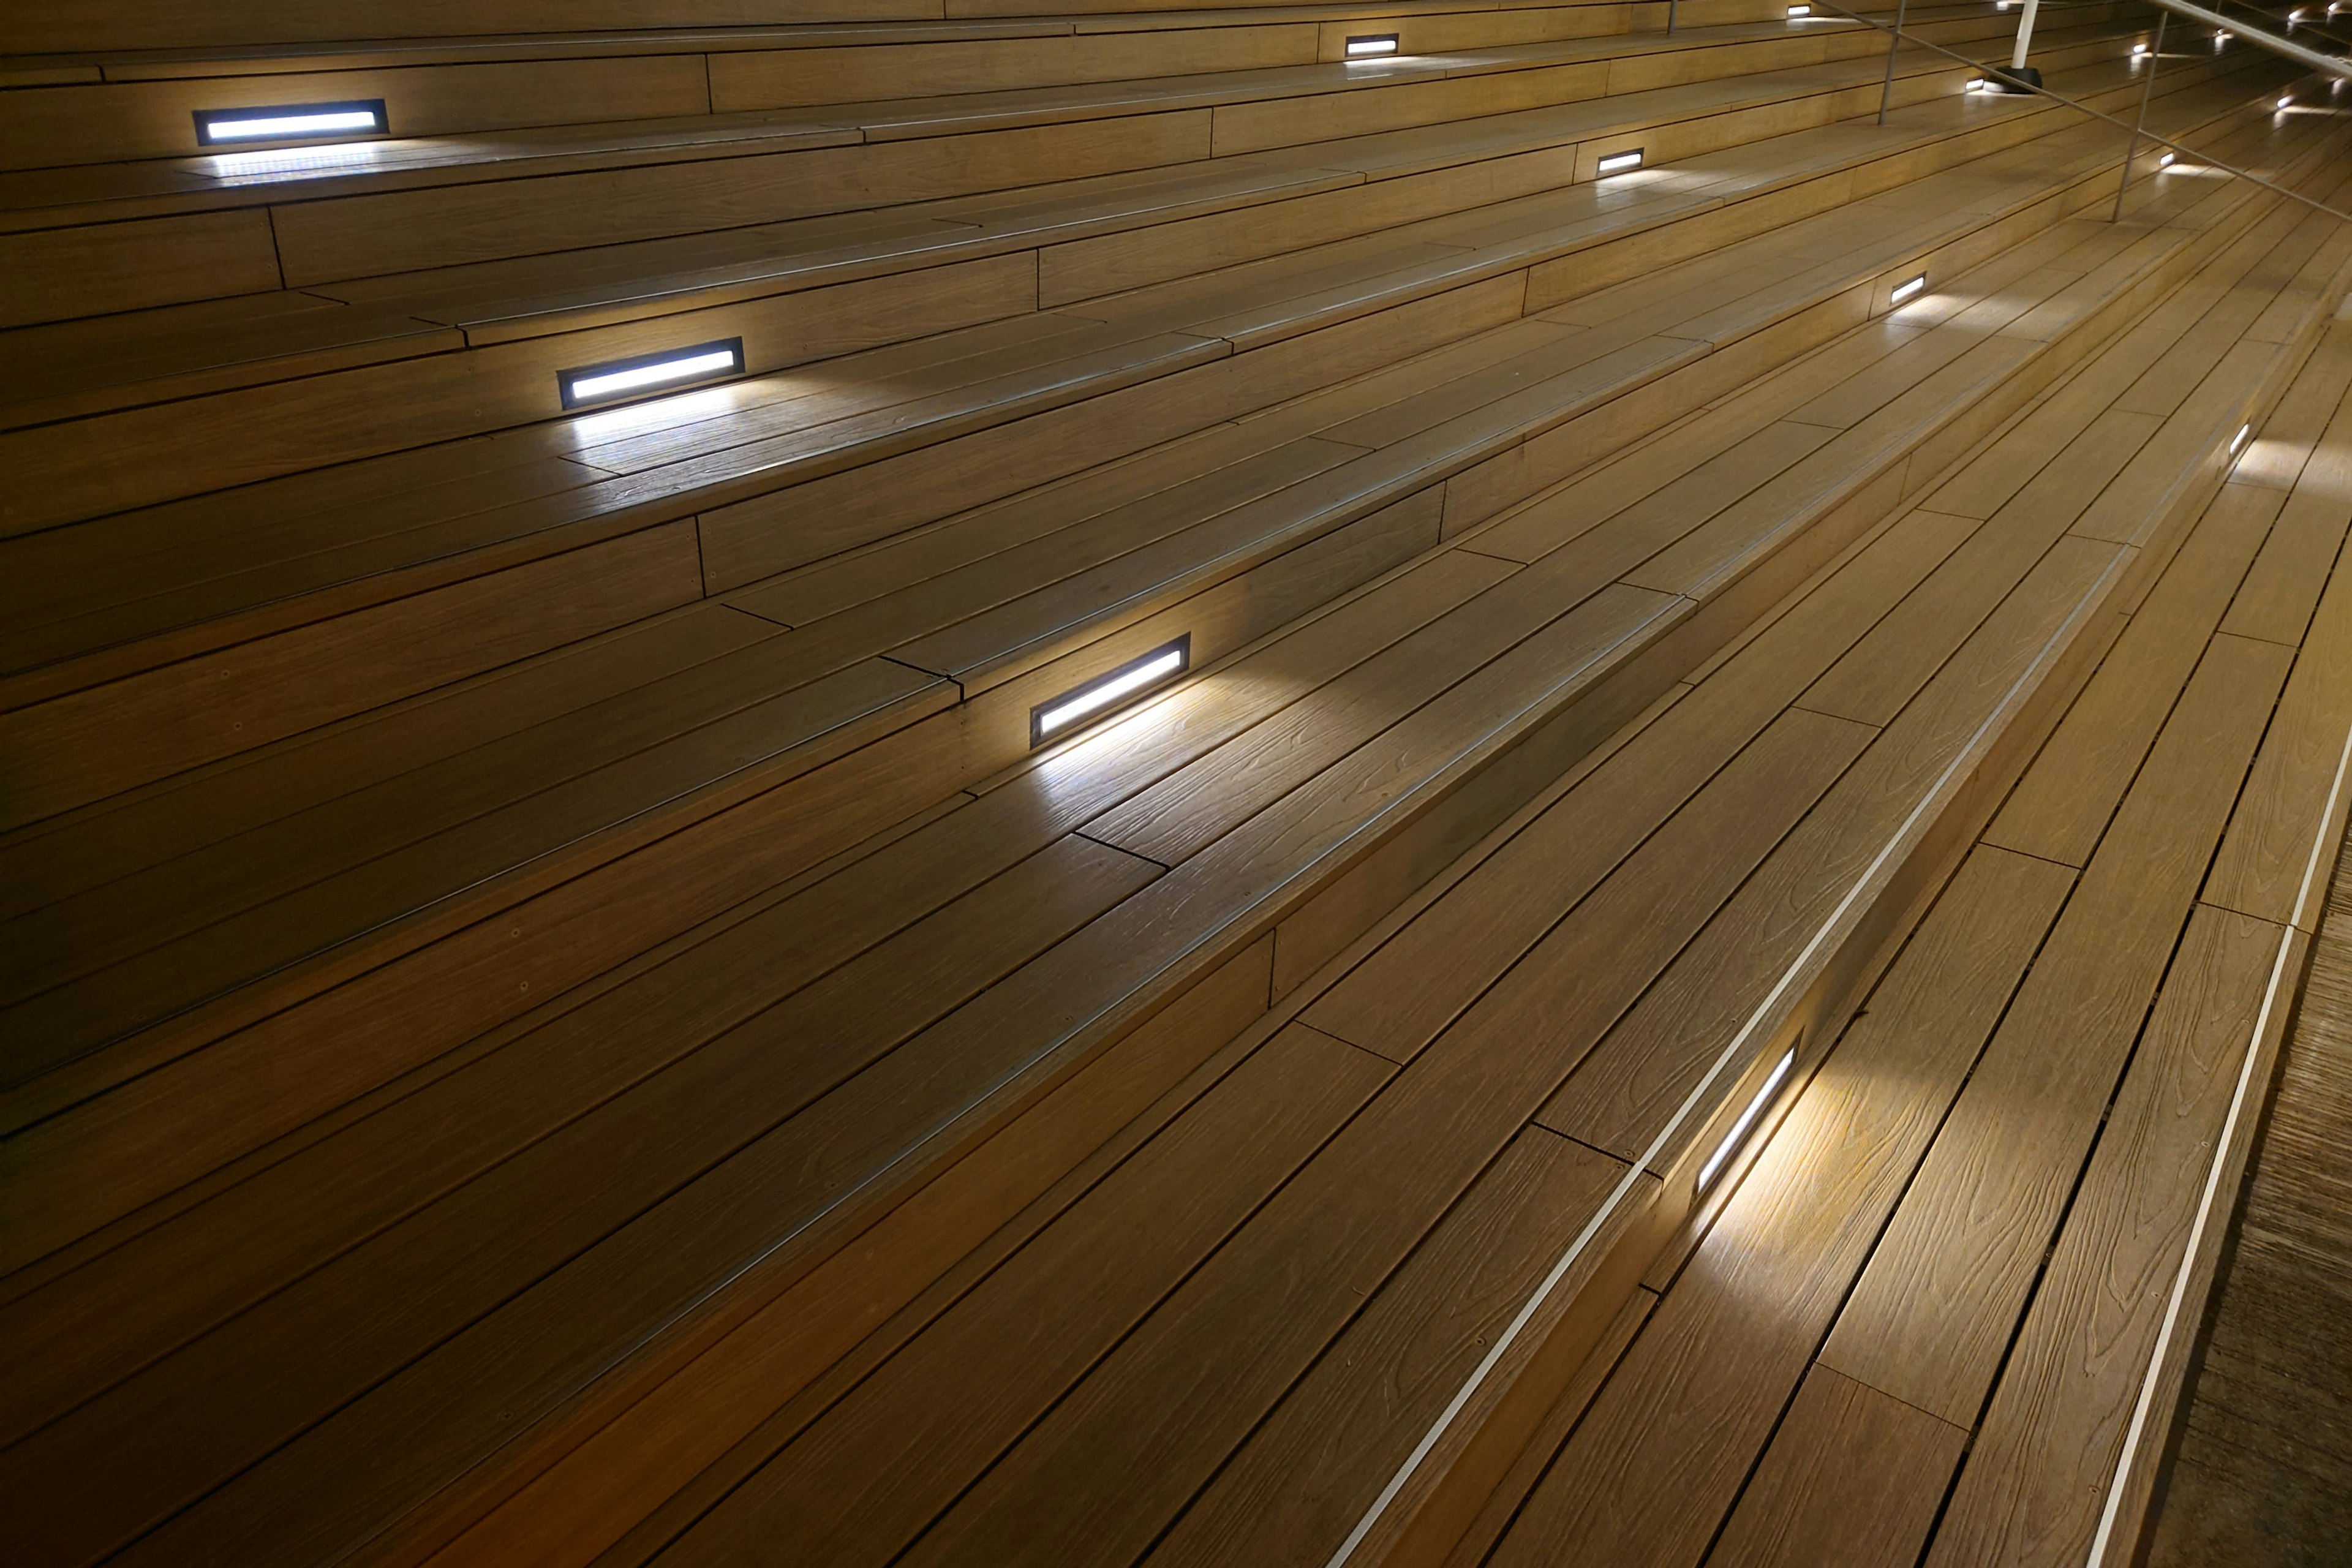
(1502, 1507)
(861, 1481)
(661, 1461)
(539, 828)
(1663, 1455)
(570, 1190)
(2259, 870)
(1624, 1093)
(110, 25)
(59, 274)
(368, 235)
(155, 118)
(373, 410)
(1990, 1192)
(166, 1127)
(91, 744)
(87, 850)
(2064, 803)
(781, 78)
(1852, 1480)
(2036, 1476)
(1302, 1480)
(1298, 1274)
(1429, 971)
(749, 540)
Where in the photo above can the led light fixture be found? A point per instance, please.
(2138, 50)
(292, 122)
(616, 379)
(1371, 44)
(1800, 10)
(1107, 691)
(2163, 162)
(1621, 163)
(1908, 289)
(1974, 84)
(2238, 439)
(1730, 1144)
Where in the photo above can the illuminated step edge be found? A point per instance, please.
(1731, 1139)
(592, 385)
(1059, 715)
(292, 122)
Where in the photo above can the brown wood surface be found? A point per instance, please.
(2036, 1476)
(1931, 1315)
(1661, 1457)
(1852, 1480)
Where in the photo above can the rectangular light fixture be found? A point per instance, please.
(1975, 84)
(1112, 689)
(2238, 439)
(2165, 161)
(594, 384)
(1907, 290)
(1800, 10)
(1730, 1144)
(292, 122)
(2138, 50)
(1370, 44)
(1621, 163)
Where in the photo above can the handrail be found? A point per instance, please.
(1897, 37)
(2261, 38)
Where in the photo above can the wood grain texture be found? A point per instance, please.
(1299, 1484)
(92, 744)
(1852, 1480)
(2265, 1438)
(2036, 1476)
(1660, 1458)
(857, 1485)
(1935, 1310)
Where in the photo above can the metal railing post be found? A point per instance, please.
(1671, 5)
(2147, 91)
(1893, 42)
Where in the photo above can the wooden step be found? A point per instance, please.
(1286, 1292)
(2127, 962)
(536, 505)
(1212, 919)
(415, 826)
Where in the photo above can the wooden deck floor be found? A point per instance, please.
(1918, 1330)
(2261, 1475)
(1662, 986)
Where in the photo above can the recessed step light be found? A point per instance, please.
(2138, 50)
(292, 122)
(1800, 10)
(1367, 45)
(2165, 161)
(1908, 289)
(1730, 1144)
(594, 384)
(2238, 439)
(1621, 163)
(1106, 692)
(1974, 84)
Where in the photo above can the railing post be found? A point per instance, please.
(1895, 42)
(2147, 91)
(2024, 34)
(1671, 5)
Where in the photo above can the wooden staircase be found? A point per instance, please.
(557, 1006)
